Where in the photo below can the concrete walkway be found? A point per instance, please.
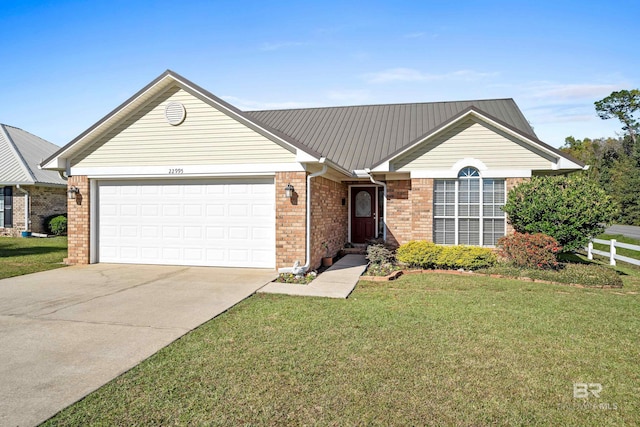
(336, 282)
(66, 332)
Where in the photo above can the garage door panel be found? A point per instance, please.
(217, 223)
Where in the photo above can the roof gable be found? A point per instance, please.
(359, 137)
(206, 136)
(60, 159)
(472, 138)
(20, 154)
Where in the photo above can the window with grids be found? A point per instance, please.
(468, 210)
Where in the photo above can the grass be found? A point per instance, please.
(20, 256)
(422, 350)
(620, 251)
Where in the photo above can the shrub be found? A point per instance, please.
(46, 222)
(58, 225)
(466, 257)
(570, 209)
(530, 250)
(379, 254)
(419, 254)
(422, 254)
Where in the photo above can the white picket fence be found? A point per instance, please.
(613, 256)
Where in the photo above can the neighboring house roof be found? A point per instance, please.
(20, 154)
(361, 137)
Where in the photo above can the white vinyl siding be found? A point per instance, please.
(468, 211)
(207, 136)
(473, 139)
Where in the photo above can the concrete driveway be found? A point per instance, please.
(66, 332)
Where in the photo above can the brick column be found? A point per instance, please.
(291, 220)
(422, 209)
(329, 218)
(78, 227)
(399, 217)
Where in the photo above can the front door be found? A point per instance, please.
(363, 214)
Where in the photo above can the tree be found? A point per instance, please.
(570, 209)
(623, 105)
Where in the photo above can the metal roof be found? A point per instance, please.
(20, 154)
(360, 137)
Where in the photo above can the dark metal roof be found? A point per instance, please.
(360, 137)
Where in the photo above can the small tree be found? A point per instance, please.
(572, 210)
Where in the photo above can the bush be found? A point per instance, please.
(46, 222)
(379, 254)
(58, 225)
(530, 250)
(466, 257)
(570, 209)
(422, 254)
(419, 254)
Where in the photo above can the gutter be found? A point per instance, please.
(297, 268)
(26, 207)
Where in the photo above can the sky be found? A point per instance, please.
(67, 64)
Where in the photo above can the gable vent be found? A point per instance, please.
(175, 113)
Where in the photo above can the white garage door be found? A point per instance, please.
(225, 223)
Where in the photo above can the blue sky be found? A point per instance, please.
(66, 64)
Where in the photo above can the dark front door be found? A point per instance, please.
(363, 214)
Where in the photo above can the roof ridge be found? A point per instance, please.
(378, 105)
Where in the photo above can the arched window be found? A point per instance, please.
(468, 210)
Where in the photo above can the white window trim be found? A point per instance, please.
(480, 216)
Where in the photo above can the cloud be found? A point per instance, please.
(413, 75)
(281, 45)
(249, 105)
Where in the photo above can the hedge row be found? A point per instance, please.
(427, 255)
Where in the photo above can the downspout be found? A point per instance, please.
(26, 207)
(384, 204)
(297, 268)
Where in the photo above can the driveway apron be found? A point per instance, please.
(66, 332)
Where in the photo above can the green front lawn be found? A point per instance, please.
(423, 350)
(29, 255)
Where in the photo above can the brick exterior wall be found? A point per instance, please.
(46, 201)
(421, 209)
(78, 227)
(399, 206)
(291, 220)
(43, 202)
(329, 218)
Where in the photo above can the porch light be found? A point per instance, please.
(73, 190)
(288, 191)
